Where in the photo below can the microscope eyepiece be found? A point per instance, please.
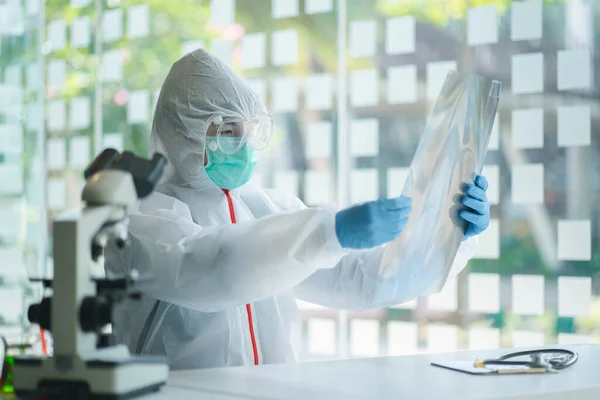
(145, 172)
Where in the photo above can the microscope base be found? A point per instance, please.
(95, 379)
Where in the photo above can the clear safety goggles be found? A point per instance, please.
(232, 134)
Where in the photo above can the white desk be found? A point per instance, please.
(408, 377)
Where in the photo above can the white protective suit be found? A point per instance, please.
(223, 294)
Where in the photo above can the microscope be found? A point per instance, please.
(88, 363)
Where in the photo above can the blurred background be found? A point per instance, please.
(350, 84)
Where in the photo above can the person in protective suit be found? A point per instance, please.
(228, 260)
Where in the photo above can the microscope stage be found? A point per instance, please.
(98, 379)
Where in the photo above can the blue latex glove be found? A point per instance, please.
(477, 213)
(371, 224)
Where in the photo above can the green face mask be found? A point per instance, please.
(230, 171)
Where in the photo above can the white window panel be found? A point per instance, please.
(528, 294)
(57, 74)
(574, 126)
(80, 113)
(57, 34)
(32, 7)
(574, 296)
(12, 213)
(32, 75)
(526, 20)
(402, 338)
(528, 184)
(11, 101)
(489, 242)
(482, 25)
(364, 337)
(446, 300)
(363, 185)
(528, 128)
(573, 338)
(396, 178)
(13, 75)
(254, 47)
(12, 19)
(579, 22)
(527, 339)
(317, 187)
(80, 3)
(284, 47)
(33, 117)
(363, 38)
(575, 240)
(402, 84)
(484, 293)
(436, 76)
(364, 88)
(223, 50)
(57, 193)
(79, 152)
(57, 115)
(11, 267)
(442, 338)
(11, 139)
(11, 299)
(112, 25)
(284, 8)
(319, 92)
(317, 6)
(527, 73)
(321, 336)
(138, 21)
(484, 338)
(259, 87)
(287, 181)
(113, 141)
(222, 12)
(574, 69)
(11, 182)
(492, 174)
(364, 137)
(319, 138)
(285, 94)
(191, 45)
(80, 32)
(400, 35)
(112, 66)
(138, 107)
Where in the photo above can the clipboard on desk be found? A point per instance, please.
(468, 367)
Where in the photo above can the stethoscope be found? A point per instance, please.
(549, 359)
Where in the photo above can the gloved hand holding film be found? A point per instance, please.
(372, 224)
(477, 213)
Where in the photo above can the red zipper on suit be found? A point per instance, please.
(248, 307)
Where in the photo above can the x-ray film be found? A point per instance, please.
(450, 152)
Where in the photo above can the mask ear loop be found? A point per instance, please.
(208, 159)
(212, 146)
